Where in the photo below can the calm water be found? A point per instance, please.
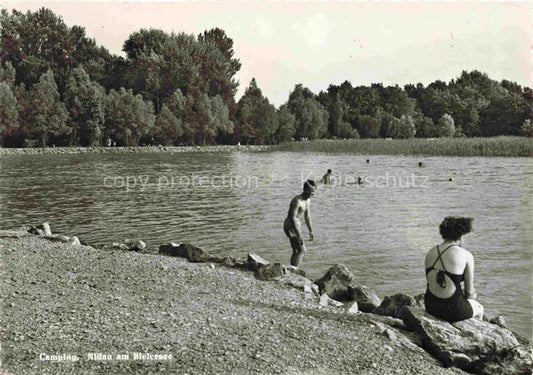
(235, 203)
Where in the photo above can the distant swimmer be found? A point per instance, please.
(368, 160)
(299, 206)
(326, 179)
(359, 181)
(421, 164)
(450, 179)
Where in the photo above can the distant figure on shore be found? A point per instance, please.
(447, 266)
(421, 164)
(299, 206)
(326, 179)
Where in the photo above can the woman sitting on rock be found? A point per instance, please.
(447, 266)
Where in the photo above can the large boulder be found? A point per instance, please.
(298, 282)
(255, 262)
(395, 305)
(473, 345)
(366, 299)
(336, 283)
(185, 250)
(270, 272)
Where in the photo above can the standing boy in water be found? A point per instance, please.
(293, 223)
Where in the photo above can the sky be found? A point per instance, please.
(318, 43)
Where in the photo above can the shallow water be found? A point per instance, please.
(235, 203)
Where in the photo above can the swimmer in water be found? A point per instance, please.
(326, 179)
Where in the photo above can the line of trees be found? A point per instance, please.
(57, 86)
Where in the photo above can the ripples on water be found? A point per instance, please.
(380, 233)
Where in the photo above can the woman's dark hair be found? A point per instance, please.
(452, 228)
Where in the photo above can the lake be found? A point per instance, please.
(233, 203)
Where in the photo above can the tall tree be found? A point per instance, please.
(128, 117)
(445, 126)
(256, 119)
(48, 114)
(8, 111)
(403, 127)
(85, 101)
(286, 124)
(35, 42)
(311, 116)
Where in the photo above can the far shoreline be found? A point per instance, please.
(506, 146)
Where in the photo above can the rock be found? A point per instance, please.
(311, 291)
(499, 321)
(297, 281)
(325, 300)
(387, 320)
(135, 245)
(336, 283)
(351, 307)
(75, 241)
(45, 227)
(367, 299)
(516, 362)
(296, 270)
(255, 262)
(231, 262)
(270, 272)
(470, 344)
(185, 250)
(394, 305)
(36, 231)
(57, 238)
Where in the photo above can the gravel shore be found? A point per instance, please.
(128, 150)
(72, 301)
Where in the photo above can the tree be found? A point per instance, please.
(223, 82)
(445, 126)
(205, 118)
(337, 126)
(145, 42)
(170, 121)
(48, 114)
(128, 117)
(35, 42)
(7, 74)
(403, 127)
(256, 118)
(311, 116)
(368, 126)
(85, 102)
(8, 111)
(286, 124)
(527, 128)
(425, 128)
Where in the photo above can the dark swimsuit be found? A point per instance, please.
(451, 309)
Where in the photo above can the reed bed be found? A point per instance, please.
(496, 146)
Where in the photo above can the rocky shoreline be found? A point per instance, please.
(71, 308)
(130, 150)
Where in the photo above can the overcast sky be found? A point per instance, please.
(327, 42)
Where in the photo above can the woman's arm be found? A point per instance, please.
(470, 292)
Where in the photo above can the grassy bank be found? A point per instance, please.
(67, 300)
(497, 146)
